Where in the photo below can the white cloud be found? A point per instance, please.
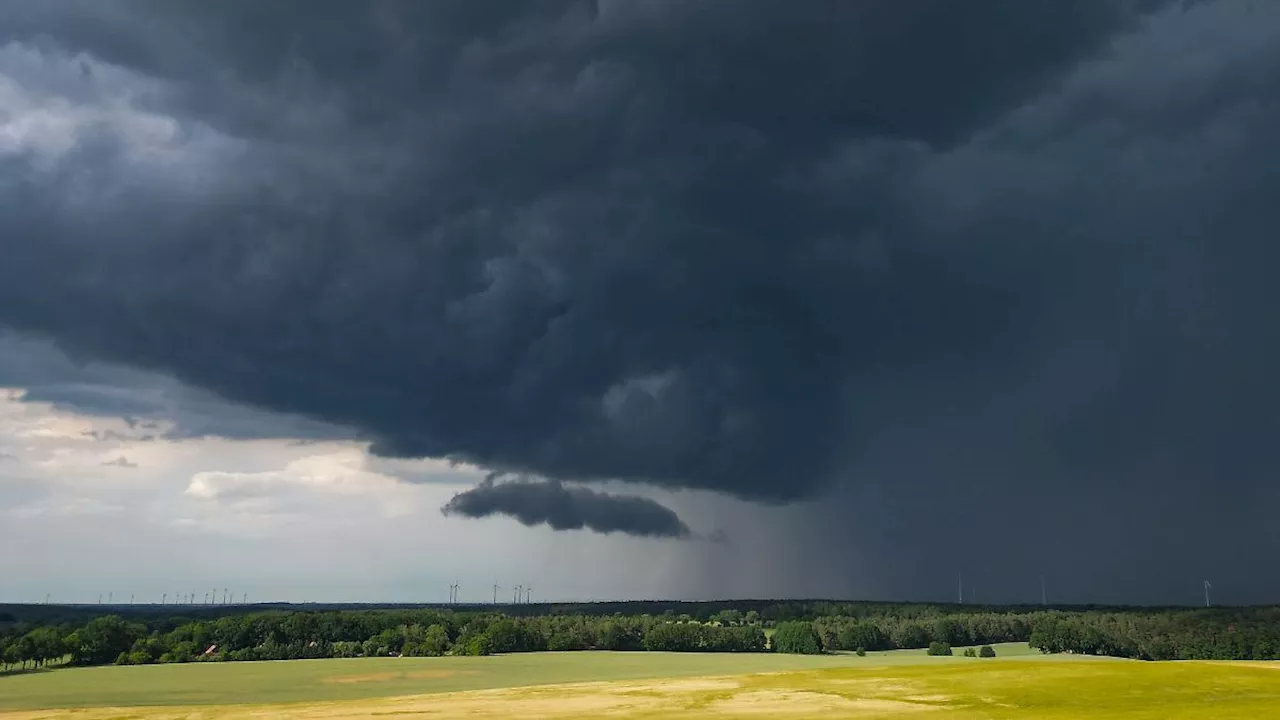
(282, 519)
(71, 507)
(343, 472)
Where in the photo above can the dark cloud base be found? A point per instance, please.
(564, 507)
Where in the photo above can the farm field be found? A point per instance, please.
(653, 685)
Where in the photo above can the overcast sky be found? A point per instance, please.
(350, 301)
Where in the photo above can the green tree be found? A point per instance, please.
(436, 640)
(25, 650)
(862, 635)
(621, 633)
(507, 635)
(475, 645)
(675, 637)
(910, 634)
(104, 639)
(45, 644)
(938, 647)
(798, 638)
(986, 651)
(9, 655)
(728, 617)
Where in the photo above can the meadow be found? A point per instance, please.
(1016, 684)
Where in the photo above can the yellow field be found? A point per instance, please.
(1048, 688)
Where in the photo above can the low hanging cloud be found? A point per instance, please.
(568, 507)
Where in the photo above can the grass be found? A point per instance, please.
(325, 680)
(653, 685)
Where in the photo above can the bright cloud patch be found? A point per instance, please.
(340, 473)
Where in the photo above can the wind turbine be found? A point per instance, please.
(528, 594)
(496, 588)
(1207, 588)
(518, 588)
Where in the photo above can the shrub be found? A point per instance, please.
(861, 652)
(937, 647)
(987, 651)
(969, 652)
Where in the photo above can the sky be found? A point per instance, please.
(679, 299)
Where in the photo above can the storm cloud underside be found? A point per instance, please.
(567, 508)
(964, 269)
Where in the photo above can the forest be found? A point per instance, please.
(34, 636)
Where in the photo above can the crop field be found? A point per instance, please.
(653, 685)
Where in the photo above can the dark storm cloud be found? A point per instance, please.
(153, 405)
(564, 507)
(962, 260)
(588, 240)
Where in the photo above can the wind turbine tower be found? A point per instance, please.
(1207, 588)
(495, 593)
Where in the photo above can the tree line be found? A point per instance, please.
(1210, 634)
(1252, 633)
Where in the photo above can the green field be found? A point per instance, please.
(323, 680)
(1015, 685)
